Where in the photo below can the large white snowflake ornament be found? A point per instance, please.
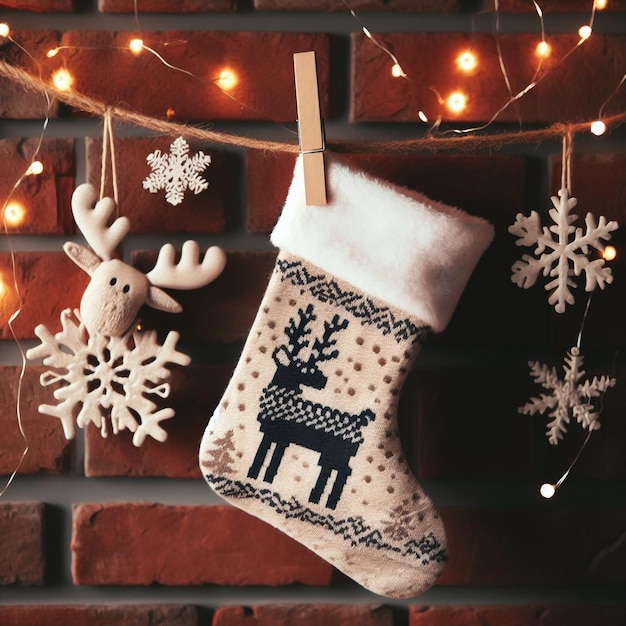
(561, 251)
(569, 397)
(176, 172)
(106, 379)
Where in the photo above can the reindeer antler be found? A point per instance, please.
(92, 218)
(189, 273)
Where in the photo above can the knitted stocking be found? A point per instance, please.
(305, 436)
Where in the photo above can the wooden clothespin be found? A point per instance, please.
(310, 128)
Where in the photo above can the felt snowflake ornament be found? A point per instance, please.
(106, 366)
(561, 251)
(176, 172)
(569, 397)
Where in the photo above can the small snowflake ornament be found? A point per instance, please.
(568, 397)
(176, 172)
(561, 251)
(105, 368)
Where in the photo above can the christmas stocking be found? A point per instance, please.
(305, 436)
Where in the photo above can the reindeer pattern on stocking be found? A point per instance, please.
(287, 417)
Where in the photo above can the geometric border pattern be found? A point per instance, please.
(361, 307)
(353, 529)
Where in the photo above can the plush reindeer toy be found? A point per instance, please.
(106, 366)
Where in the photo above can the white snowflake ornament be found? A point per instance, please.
(569, 397)
(107, 380)
(561, 251)
(176, 172)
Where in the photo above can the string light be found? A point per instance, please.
(14, 213)
(397, 71)
(35, 168)
(4, 29)
(52, 52)
(62, 80)
(227, 79)
(584, 32)
(543, 49)
(609, 253)
(136, 46)
(456, 102)
(547, 490)
(422, 116)
(601, 4)
(598, 127)
(467, 61)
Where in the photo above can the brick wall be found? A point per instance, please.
(96, 531)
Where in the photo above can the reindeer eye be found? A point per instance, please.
(113, 281)
(126, 288)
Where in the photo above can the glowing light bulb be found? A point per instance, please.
(170, 114)
(467, 61)
(598, 128)
(14, 213)
(62, 79)
(422, 116)
(584, 32)
(136, 46)
(397, 71)
(4, 29)
(543, 49)
(456, 102)
(609, 253)
(601, 4)
(227, 79)
(52, 52)
(35, 168)
(547, 490)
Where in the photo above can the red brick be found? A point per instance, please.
(195, 392)
(262, 61)
(94, 615)
(517, 615)
(44, 198)
(224, 310)
(481, 185)
(166, 6)
(48, 450)
(150, 212)
(303, 615)
(558, 6)
(21, 543)
(40, 6)
(545, 546)
(403, 6)
(430, 57)
(43, 295)
(142, 544)
(15, 101)
(464, 438)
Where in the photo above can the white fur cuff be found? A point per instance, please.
(389, 242)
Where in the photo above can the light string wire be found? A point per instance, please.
(14, 315)
(468, 143)
(398, 71)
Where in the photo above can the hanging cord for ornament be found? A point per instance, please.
(566, 162)
(108, 142)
